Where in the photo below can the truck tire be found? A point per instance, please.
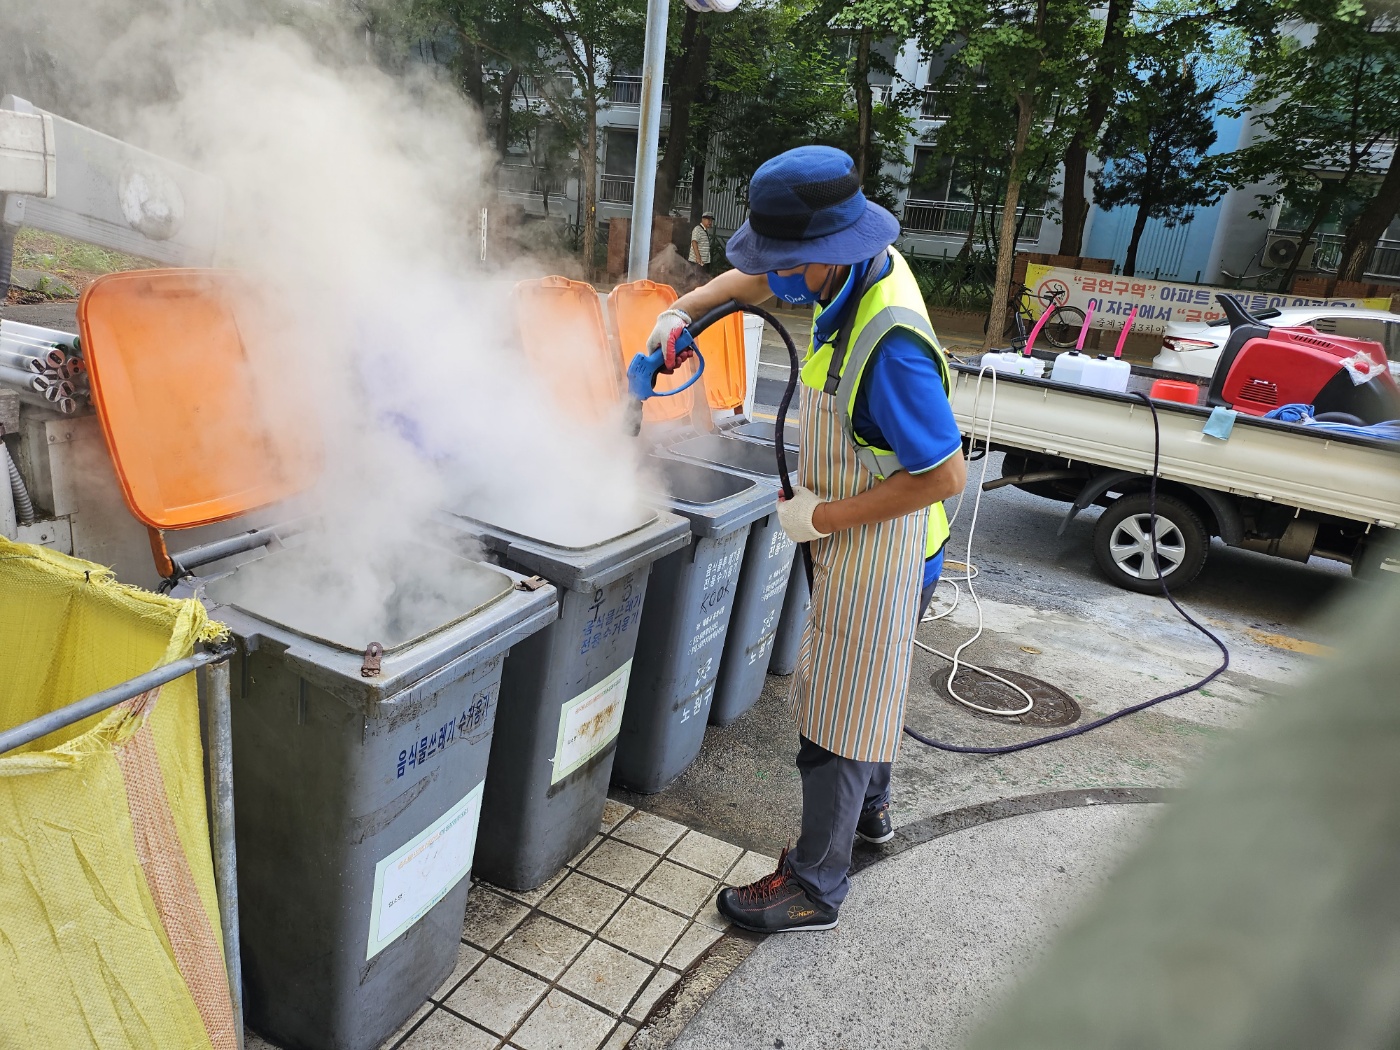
(1122, 544)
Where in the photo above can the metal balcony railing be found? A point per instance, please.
(955, 217)
(616, 189)
(1384, 262)
(520, 178)
(627, 91)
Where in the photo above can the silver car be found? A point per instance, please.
(1195, 348)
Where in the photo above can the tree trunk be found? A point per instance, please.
(687, 75)
(1366, 228)
(1074, 204)
(865, 104)
(1006, 247)
(590, 185)
(1324, 198)
(697, 175)
(508, 82)
(473, 77)
(1130, 260)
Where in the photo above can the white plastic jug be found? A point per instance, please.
(1106, 373)
(1012, 363)
(1069, 367)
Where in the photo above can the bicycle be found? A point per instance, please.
(1062, 328)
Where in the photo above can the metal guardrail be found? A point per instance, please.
(218, 733)
(955, 217)
(627, 91)
(520, 178)
(618, 189)
(1384, 261)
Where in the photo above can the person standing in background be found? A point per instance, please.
(700, 240)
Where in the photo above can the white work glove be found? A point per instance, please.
(668, 326)
(795, 515)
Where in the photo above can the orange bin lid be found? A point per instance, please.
(632, 312)
(195, 395)
(725, 368)
(561, 331)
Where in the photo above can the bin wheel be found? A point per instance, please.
(1123, 546)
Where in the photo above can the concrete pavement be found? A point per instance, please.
(927, 939)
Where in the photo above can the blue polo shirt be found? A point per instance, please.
(901, 404)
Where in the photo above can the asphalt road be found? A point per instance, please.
(1047, 612)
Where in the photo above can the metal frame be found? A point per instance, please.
(213, 668)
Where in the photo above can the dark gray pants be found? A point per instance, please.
(835, 792)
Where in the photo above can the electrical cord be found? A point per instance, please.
(970, 570)
(1133, 708)
(956, 659)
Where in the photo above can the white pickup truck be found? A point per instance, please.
(1280, 488)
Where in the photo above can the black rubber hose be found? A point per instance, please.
(1134, 708)
(723, 310)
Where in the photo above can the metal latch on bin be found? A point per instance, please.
(533, 583)
(374, 653)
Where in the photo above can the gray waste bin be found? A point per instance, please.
(797, 606)
(763, 433)
(562, 696)
(757, 621)
(357, 793)
(797, 603)
(685, 623)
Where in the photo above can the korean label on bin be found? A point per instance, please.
(589, 722)
(417, 875)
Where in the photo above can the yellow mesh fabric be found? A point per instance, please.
(109, 929)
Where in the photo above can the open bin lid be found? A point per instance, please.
(200, 415)
(561, 331)
(632, 312)
(726, 371)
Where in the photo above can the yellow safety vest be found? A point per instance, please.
(887, 304)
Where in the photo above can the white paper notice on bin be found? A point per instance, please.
(589, 722)
(417, 875)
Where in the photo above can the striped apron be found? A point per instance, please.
(853, 675)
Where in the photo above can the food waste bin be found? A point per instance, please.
(763, 586)
(563, 693)
(361, 730)
(797, 603)
(685, 623)
(357, 794)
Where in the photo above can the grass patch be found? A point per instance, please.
(54, 253)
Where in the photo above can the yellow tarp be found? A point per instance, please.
(109, 922)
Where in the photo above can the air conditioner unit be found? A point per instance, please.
(1280, 249)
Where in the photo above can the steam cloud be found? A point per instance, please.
(355, 194)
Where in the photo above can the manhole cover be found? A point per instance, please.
(1052, 706)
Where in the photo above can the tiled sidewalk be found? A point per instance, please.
(577, 963)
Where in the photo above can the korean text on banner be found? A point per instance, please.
(1158, 302)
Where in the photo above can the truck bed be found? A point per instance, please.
(1351, 477)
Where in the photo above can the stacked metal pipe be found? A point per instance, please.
(44, 366)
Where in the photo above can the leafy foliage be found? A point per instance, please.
(1155, 145)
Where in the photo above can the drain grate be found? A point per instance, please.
(1052, 707)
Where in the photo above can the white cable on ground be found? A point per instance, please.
(971, 573)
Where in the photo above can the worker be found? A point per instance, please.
(700, 240)
(878, 453)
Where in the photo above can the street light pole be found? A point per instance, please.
(648, 139)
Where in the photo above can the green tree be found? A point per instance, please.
(1325, 98)
(588, 39)
(1028, 56)
(1154, 149)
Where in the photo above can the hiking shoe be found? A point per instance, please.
(776, 903)
(875, 825)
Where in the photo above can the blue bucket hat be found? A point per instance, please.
(806, 206)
